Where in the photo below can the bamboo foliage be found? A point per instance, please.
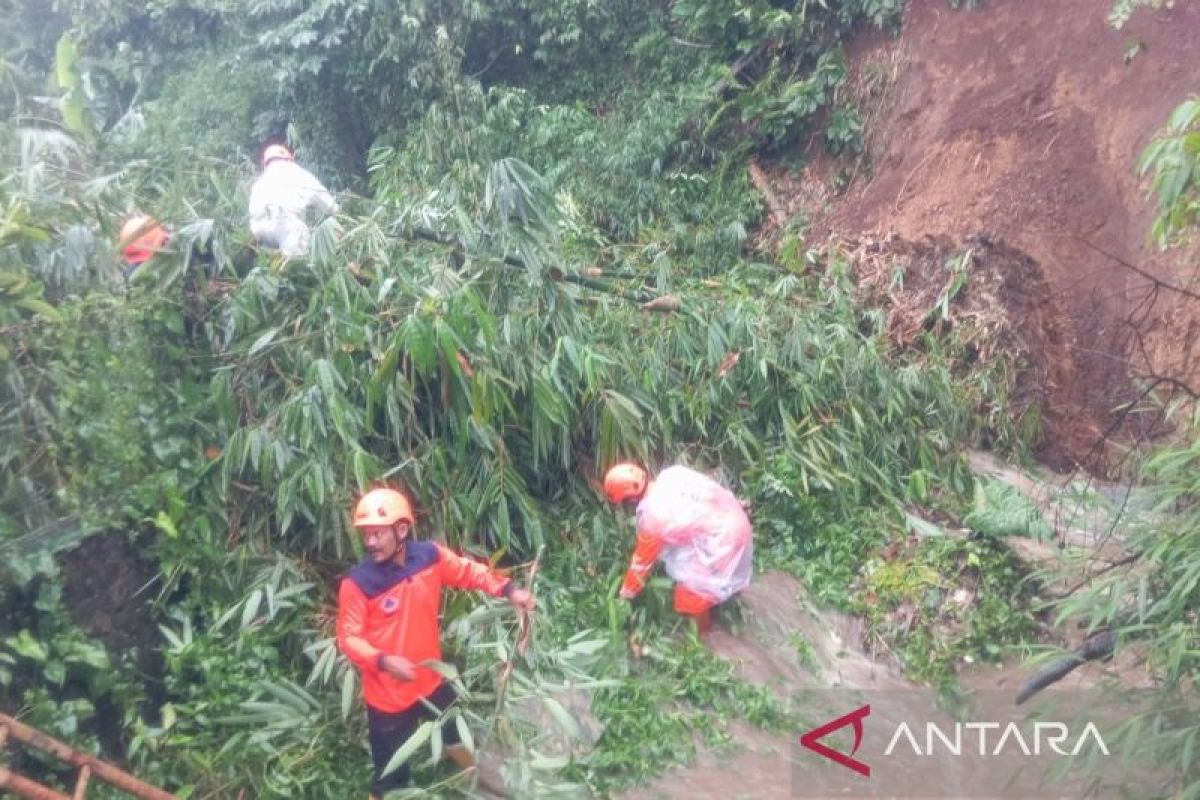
(485, 390)
(1152, 603)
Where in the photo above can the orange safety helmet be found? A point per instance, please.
(141, 237)
(382, 507)
(276, 151)
(625, 480)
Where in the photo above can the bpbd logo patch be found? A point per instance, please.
(390, 604)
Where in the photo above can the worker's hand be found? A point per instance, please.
(626, 594)
(398, 667)
(522, 599)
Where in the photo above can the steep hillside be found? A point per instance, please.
(1025, 121)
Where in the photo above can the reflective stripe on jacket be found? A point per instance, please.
(389, 609)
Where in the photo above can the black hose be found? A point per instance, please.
(1098, 645)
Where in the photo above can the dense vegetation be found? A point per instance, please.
(517, 179)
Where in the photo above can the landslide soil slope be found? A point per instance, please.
(1023, 120)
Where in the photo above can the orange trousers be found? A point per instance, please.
(689, 602)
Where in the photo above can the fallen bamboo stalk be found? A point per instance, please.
(97, 768)
(557, 275)
(81, 783)
(759, 178)
(24, 787)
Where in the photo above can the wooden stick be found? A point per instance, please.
(105, 772)
(81, 783)
(525, 628)
(526, 624)
(26, 788)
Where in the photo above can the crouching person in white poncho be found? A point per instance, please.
(280, 200)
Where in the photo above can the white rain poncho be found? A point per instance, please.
(699, 529)
(280, 200)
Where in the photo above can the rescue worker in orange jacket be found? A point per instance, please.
(141, 238)
(387, 626)
(696, 526)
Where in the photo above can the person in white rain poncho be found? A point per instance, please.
(696, 526)
(281, 199)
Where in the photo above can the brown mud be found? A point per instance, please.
(1022, 121)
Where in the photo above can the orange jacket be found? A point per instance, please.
(645, 554)
(389, 609)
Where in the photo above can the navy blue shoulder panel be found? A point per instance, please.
(375, 579)
(418, 557)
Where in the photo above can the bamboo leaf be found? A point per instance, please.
(262, 342)
(250, 609)
(348, 686)
(66, 59)
(564, 719)
(406, 751)
(464, 733)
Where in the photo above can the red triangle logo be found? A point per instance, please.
(854, 718)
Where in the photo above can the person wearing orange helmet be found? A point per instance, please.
(696, 526)
(281, 199)
(387, 627)
(141, 238)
